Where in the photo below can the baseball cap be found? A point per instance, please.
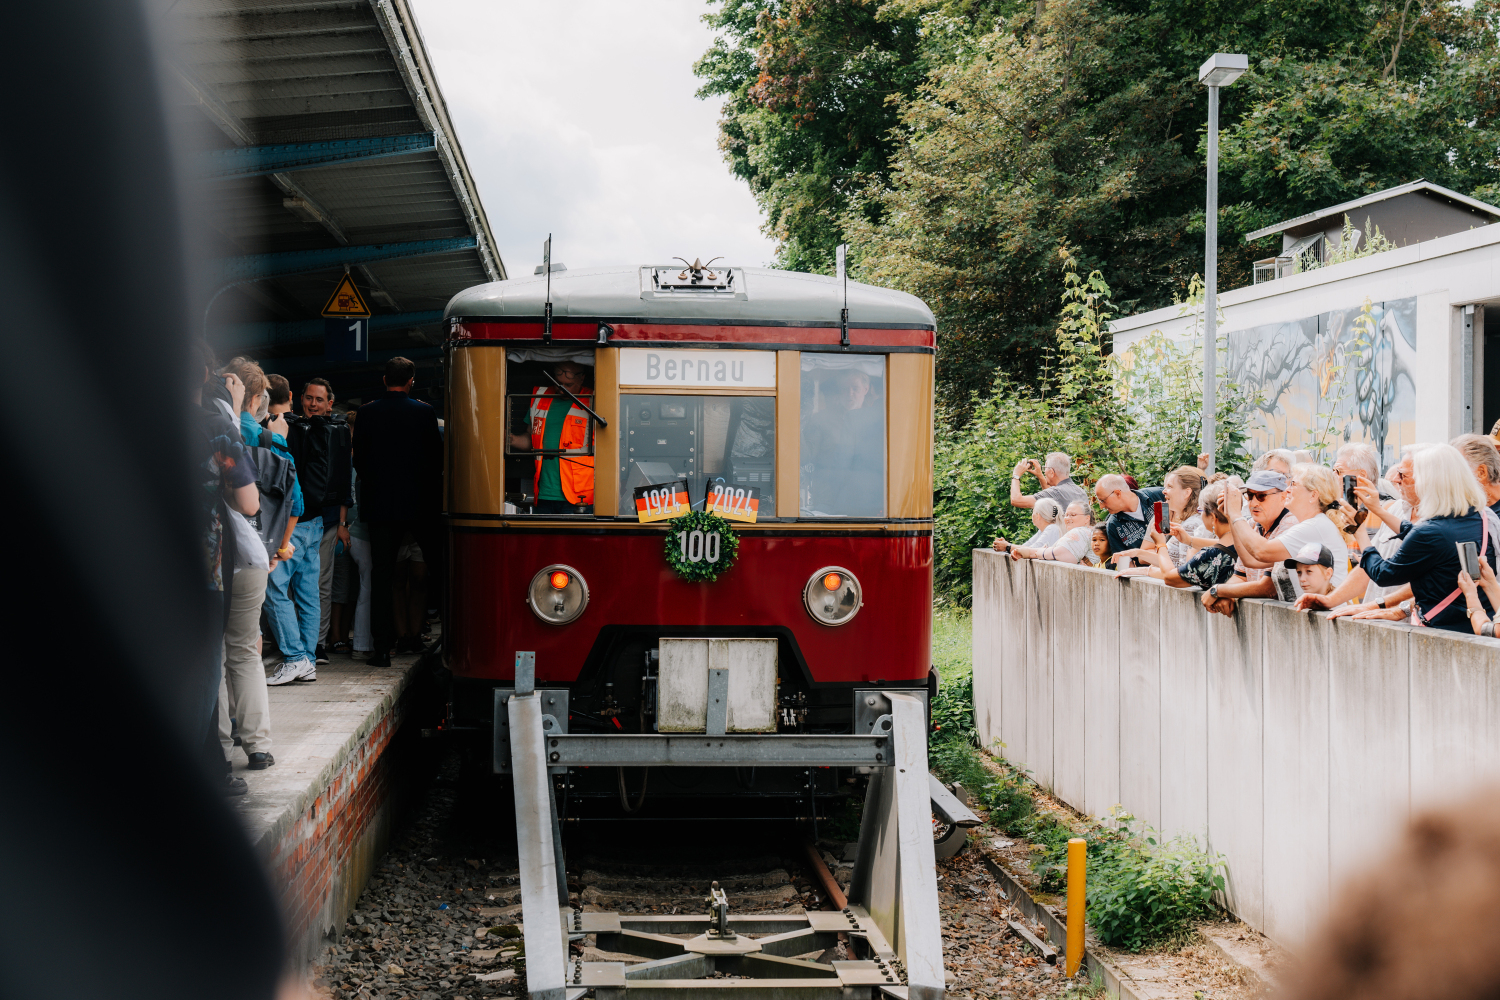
(1311, 554)
(1266, 481)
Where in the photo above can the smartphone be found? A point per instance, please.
(1349, 496)
(1468, 559)
(1163, 518)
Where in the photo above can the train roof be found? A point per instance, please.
(653, 293)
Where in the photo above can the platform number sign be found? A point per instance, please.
(346, 339)
(737, 503)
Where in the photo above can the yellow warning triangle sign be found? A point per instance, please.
(346, 301)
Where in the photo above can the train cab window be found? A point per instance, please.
(549, 437)
(707, 440)
(843, 436)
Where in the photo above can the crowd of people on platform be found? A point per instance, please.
(1418, 542)
(320, 529)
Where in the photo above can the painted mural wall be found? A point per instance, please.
(1316, 390)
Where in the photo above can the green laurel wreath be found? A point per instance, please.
(706, 522)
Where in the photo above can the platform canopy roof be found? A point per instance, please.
(322, 143)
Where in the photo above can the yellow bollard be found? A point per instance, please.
(1077, 894)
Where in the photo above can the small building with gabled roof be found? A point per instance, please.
(1406, 214)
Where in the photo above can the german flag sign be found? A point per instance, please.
(735, 503)
(662, 502)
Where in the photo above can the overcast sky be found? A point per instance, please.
(579, 118)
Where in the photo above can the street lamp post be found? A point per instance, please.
(1220, 70)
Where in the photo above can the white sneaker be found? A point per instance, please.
(299, 670)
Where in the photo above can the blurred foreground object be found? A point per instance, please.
(122, 871)
(1421, 922)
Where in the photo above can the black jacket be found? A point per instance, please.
(398, 451)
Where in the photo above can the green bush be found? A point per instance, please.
(1140, 892)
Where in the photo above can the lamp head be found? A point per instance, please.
(1222, 69)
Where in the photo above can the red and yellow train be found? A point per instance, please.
(569, 399)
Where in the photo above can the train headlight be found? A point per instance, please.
(833, 596)
(557, 594)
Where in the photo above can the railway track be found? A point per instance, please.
(441, 905)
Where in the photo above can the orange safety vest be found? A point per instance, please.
(575, 471)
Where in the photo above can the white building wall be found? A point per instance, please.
(1295, 746)
(1443, 275)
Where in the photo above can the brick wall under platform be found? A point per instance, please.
(340, 786)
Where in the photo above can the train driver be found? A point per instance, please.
(564, 484)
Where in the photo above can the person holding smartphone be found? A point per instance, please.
(1208, 569)
(1480, 620)
(1453, 512)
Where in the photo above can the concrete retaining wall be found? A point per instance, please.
(1294, 745)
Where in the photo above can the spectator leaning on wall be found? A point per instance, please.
(1047, 518)
(1074, 545)
(1265, 498)
(1377, 602)
(1211, 566)
(1056, 478)
(1312, 491)
(1129, 511)
(1453, 512)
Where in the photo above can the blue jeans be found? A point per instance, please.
(292, 600)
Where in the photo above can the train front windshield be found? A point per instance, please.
(725, 441)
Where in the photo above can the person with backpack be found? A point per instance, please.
(293, 599)
(242, 690)
(321, 443)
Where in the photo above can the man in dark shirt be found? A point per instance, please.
(398, 453)
(1129, 511)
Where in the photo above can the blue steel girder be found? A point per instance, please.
(251, 161)
(253, 267)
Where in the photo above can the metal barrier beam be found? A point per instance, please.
(696, 750)
(252, 161)
(536, 847)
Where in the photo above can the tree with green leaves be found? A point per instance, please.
(958, 145)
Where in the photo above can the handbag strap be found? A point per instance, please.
(1419, 618)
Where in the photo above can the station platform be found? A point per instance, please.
(321, 817)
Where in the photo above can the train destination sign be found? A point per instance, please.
(736, 503)
(662, 501)
(694, 369)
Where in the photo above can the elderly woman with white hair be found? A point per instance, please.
(1453, 512)
(1074, 546)
(1047, 518)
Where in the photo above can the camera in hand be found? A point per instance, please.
(1349, 495)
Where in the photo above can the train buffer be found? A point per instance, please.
(891, 922)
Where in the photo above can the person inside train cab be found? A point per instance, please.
(564, 484)
(842, 443)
